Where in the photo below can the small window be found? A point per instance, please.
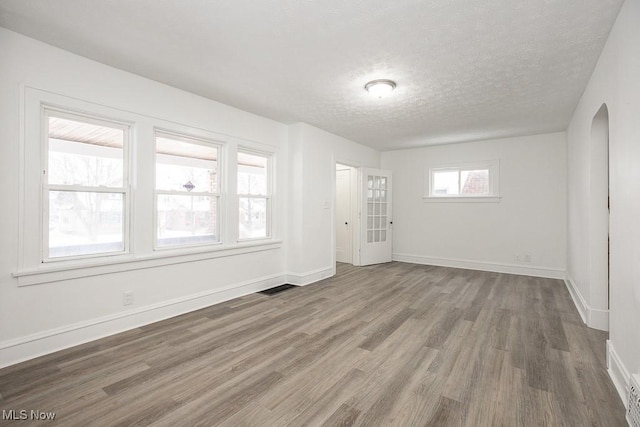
(477, 180)
(254, 195)
(187, 191)
(86, 186)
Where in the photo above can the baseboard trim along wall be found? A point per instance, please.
(551, 273)
(592, 317)
(46, 342)
(577, 298)
(303, 279)
(618, 373)
(35, 345)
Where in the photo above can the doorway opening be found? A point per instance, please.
(345, 219)
(599, 213)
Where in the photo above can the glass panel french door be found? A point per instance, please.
(376, 222)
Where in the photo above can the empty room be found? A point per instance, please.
(320, 213)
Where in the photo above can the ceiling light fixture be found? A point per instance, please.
(380, 88)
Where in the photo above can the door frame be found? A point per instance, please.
(355, 217)
(352, 211)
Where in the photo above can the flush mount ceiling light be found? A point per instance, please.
(380, 88)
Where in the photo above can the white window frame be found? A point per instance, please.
(49, 111)
(269, 196)
(31, 270)
(190, 139)
(493, 166)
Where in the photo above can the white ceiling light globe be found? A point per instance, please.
(380, 88)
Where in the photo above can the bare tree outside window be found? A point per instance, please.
(85, 183)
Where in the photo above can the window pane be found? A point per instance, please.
(185, 220)
(475, 182)
(253, 217)
(445, 183)
(85, 154)
(84, 223)
(252, 174)
(184, 166)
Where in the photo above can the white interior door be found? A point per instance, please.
(343, 216)
(376, 220)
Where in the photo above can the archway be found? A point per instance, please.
(599, 220)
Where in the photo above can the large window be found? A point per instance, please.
(85, 186)
(254, 195)
(472, 180)
(187, 191)
(106, 190)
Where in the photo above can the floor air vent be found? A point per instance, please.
(277, 289)
(633, 407)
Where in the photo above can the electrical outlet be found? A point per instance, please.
(518, 258)
(526, 257)
(127, 298)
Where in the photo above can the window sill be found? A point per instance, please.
(115, 264)
(462, 199)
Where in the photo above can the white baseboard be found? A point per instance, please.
(35, 345)
(302, 279)
(618, 373)
(551, 273)
(577, 298)
(592, 317)
(32, 346)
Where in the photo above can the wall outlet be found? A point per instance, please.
(518, 258)
(127, 298)
(526, 257)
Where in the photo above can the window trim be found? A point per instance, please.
(493, 166)
(267, 197)
(47, 111)
(30, 270)
(190, 139)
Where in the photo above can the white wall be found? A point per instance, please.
(313, 155)
(615, 83)
(44, 317)
(530, 217)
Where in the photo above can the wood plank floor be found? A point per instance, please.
(394, 344)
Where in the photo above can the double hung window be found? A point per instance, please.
(85, 186)
(187, 191)
(254, 195)
(106, 190)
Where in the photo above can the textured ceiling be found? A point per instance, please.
(465, 70)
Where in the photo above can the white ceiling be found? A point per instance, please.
(465, 69)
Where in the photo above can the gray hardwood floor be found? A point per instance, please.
(394, 344)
